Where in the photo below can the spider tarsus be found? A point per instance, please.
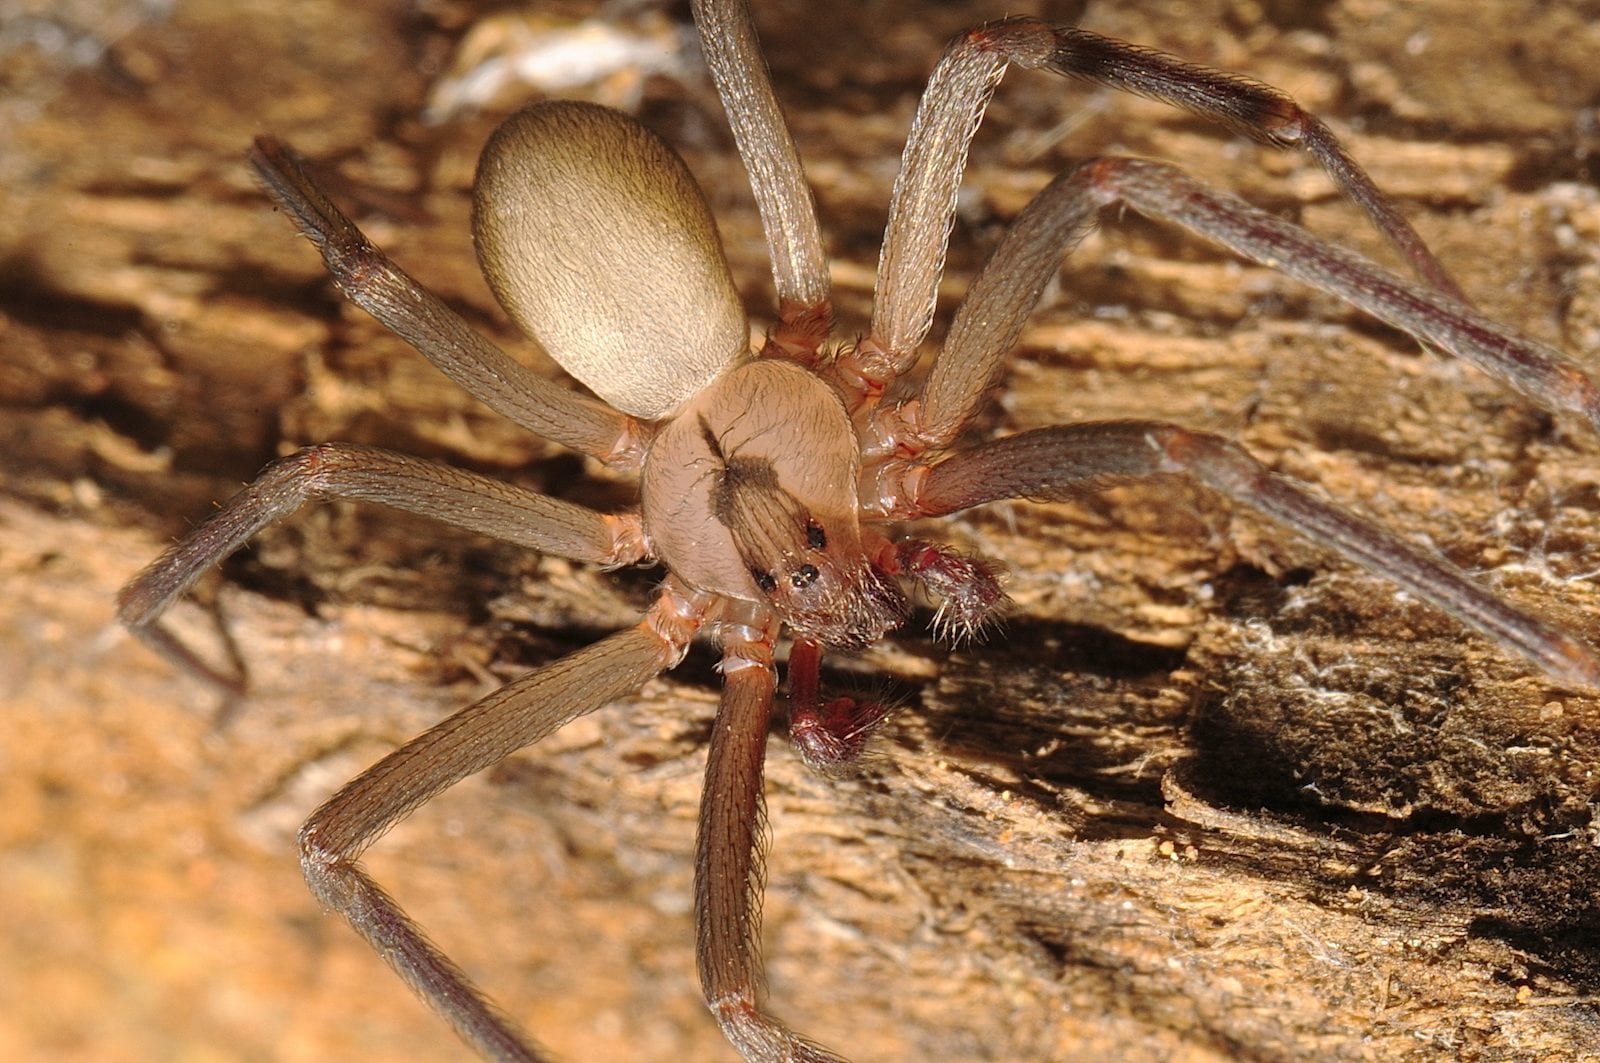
(229, 686)
(1314, 136)
(282, 173)
(139, 607)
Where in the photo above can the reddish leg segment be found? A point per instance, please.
(968, 588)
(829, 737)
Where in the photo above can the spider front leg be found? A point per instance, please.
(922, 207)
(348, 472)
(518, 714)
(1067, 461)
(728, 871)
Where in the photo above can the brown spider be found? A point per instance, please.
(769, 482)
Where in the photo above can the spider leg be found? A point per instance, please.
(422, 319)
(1253, 109)
(922, 208)
(1066, 461)
(1009, 285)
(788, 211)
(367, 474)
(518, 714)
(729, 863)
(1542, 373)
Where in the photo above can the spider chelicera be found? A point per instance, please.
(771, 481)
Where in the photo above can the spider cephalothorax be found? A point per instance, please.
(763, 466)
(772, 482)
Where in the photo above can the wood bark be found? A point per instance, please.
(1207, 795)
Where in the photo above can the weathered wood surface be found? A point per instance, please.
(1207, 796)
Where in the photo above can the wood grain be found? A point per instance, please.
(1208, 795)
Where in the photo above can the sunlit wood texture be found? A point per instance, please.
(1204, 798)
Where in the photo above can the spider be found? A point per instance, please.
(771, 481)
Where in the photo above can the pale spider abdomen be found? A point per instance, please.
(599, 244)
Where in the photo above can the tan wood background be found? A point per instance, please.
(1208, 795)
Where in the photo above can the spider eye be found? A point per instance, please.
(816, 538)
(764, 580)
(804, 576)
